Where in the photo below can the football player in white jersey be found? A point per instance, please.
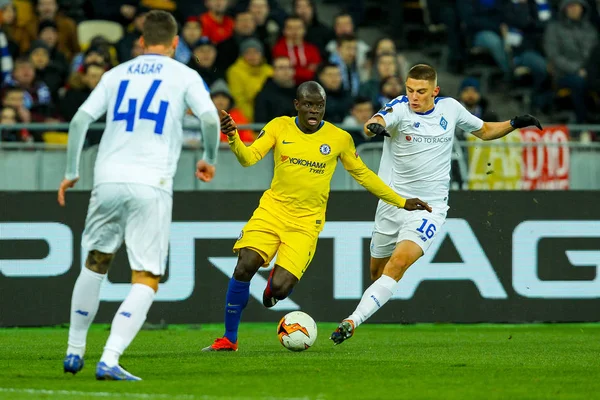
(145, 100)
(419, 131)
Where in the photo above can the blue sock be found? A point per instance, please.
(236, 300)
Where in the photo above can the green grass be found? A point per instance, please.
(380, 362)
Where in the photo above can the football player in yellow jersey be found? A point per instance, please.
(291, 213)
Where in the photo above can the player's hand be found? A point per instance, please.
(416, 204)
(228, 125)
(524, 121)
(205, 171)
(378, 129)
(64, 185)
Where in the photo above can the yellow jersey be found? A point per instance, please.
(304, 166)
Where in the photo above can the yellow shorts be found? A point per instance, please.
(268, 236)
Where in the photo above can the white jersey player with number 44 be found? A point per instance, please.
(145, 100)
(417, 150)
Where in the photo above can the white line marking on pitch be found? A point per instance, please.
(142, 395)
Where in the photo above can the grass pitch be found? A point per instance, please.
(380, 362)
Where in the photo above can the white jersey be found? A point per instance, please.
(416, 158)
(145, 100)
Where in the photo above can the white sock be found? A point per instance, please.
(127, 322)
(373, 299)
(84, 306)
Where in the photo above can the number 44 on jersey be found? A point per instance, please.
(130, 114)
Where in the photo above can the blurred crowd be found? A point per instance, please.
(252, 54)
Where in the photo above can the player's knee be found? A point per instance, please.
(98, 262)
(399, 263)
(376, 267)
(376, 273)
(248, 263)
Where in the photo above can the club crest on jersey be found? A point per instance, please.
(443, 123)
(325, 149)
(417, 124)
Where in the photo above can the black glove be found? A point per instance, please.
(524, 121)
(378, 129)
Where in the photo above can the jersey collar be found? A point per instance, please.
(298, 125)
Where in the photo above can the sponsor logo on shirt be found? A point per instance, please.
(427, 139)
(315, 167)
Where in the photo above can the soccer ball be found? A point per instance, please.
(297, 331)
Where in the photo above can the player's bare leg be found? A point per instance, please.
(377, 265)
(84, 306)
(238, 293)
(405, 254)
(280, 284)
(126, 324)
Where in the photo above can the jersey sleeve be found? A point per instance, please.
(465, 120)
(97, 102)
(392, 112)
(250, 155)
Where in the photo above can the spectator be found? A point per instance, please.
(361, 111)
(345, 58)
(8, 116)
(215, 24)
(385, 66)
(276, 98)
(338, 100)
(37, 97)
(46, 70)
(221, 96)
(229, 50)
(203, 60)
(14, 97)
(248, 75)
(484, 21)
(568, 42)
(267, 29)
(6, 61)
(68, 42)
(79, 92)
(191, 32)
(386, 45)
(100, 51)
(134, 31)
(470, 97)
(19, 35)
(305, 57)
(275, 11)
(526, 20)
(344, 25)
(317, 33)
(49, 35)
(389, 88)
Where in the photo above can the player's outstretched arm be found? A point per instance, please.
(77, 131)
(246, 155)
(496, 130)
(370, 181)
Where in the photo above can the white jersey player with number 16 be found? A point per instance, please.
(417, 151)
(145, 100)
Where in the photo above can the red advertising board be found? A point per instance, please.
(546, 166)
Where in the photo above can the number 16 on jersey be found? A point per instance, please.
(129, 116)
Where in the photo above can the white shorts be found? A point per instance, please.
(393, 225)
(138, 213)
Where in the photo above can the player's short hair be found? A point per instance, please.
(423, 72)
(309, 87)
(344, 38)
(159, 28)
